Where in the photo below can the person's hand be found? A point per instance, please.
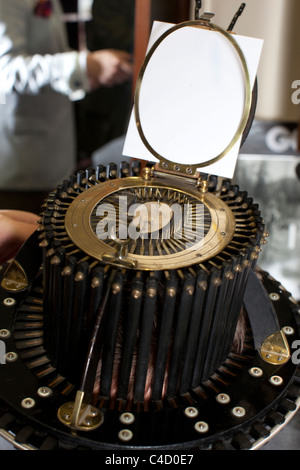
(15, 228)
(108, 67)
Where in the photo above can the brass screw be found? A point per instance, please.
(190, 290)
(116, 288)
(136, 293)
(202, 285)
(151, 292)
(146, 173)
(203, 187)
(79, 276)
(171, 291)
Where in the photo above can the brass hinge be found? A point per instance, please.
(275, 349)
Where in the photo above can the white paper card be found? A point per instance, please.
(192, 98)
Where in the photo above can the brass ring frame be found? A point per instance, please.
(78, 226)
(186, 168)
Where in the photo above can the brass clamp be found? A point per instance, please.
(80, 416)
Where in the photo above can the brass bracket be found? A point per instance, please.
(14, 279)
(80, 416)
(275, 349)
(120, 258)
(206, 17)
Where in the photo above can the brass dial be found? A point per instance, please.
(153, 224)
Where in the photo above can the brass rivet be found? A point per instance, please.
(229, 275)
(190, 290)
(95, 282)
(238, 268)
(202, 285)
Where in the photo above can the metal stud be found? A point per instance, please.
(223, 398)
(9, 302)
(201, 427)
(27, 403)
(255, 372)
(125, 435)
(276, 380)
(238, 411)
(4, 334)
(11, 356)
(44, 392)
(191, 412)
(288, 330)
(273, 296)
(127, 418)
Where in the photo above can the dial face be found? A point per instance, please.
(149, 225)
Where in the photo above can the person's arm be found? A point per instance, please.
(23, 72)
(65, 72)
(15, 228)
